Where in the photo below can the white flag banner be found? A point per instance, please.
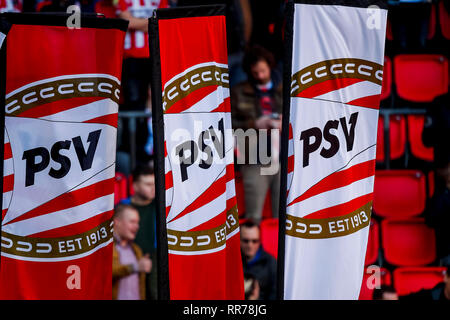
(336, 60)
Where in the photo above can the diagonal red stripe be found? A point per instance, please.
(75, 228)
(70, 199)
(372, 102)
(215, 190)
(341, 209)
(339, 179)
(109, 119)
(191, 99)
(290, 166)
(4, 213)
(169, 180)
(212, 223)
(291, 132)
(8, 183)
(7, 151)
(224, 106)
(327, 86)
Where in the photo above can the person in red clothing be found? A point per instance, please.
(136, 70)
(10, 6)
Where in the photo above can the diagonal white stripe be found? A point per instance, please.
(211, 101)
(355, 91)
(61, 218)
(85, 112)
(200, 215)
(332, 198)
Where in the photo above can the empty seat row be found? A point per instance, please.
(403, 130)
(399, 193)
(405, 280)
(418, 78)
(412, 25)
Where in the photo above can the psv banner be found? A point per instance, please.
(335, 55)
(62, 93)
(194, 147)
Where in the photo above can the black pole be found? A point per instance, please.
(4, 27)
(287, 75)
(158, 140)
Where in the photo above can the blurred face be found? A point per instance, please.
(261, 72)
(145, 187)
(127, 225)
(249, 241)
(390, 296)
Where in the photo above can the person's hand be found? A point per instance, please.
(264, 122)
(276, 124)
(145, 264)
(255, 293)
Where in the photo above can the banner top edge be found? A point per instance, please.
(382, 4)
(190, 12)
(59, 19)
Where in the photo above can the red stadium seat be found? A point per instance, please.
(130, 185)
(370, 281)
(387, 79)
(269, 236)
(120, 187)
(415, 128)
(397, 137)
(413, 279)
(267, 209)
(421, 77)
(399, 193)
(373, 243)
(408, 242)
(444, 19)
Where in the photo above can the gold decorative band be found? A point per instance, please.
(56, 247)
(335, 69)
(190, 241)
(329, 227)
(195, 79)
(62, 89)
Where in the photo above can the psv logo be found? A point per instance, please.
(60, 166)
(85, 156)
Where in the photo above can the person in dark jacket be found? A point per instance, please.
(256, 108)
(257, 262)
(440, 292)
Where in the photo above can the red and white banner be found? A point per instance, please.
(200, 201)
(335, 85)
(62, 93)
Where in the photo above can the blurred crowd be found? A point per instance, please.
(255, 52)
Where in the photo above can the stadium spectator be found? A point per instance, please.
(440, 292)
(10, 6)
(129, 265)
(257, 262)
(267, 25)
(142, 200)
(435, 134)
(136, 69)
(239, 30)
(438, 213)
(256, 107)
(385, 292)
(251, 287)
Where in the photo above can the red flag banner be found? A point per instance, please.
(194, 146)
(62, 93)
